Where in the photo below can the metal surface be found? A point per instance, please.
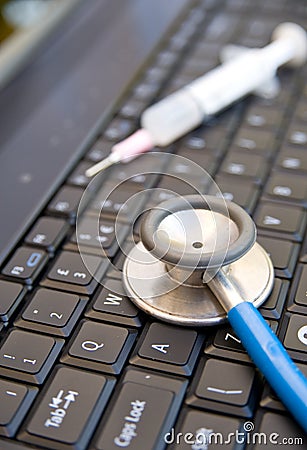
(151, 288)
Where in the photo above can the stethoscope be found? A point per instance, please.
(198, 264)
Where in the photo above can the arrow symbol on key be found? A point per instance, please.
(57, 400)
(70, 397)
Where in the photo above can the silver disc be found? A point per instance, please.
(149, 285)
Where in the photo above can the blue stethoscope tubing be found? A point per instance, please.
(269, 355)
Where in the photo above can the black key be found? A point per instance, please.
(141, 173)
(146, 91)
(47, 233)
(226, 338)
(11, 295)
(101, 347)
(285, 431)
(132, 109)
(99, 236)
(185, 168)
(78, 177)
(197, 428)
(122, 202)
(283, 254)
(99, 151)
(297, 135)
(167, 347)
(255, 141)
(67, 412)
(112, 305)
(244, 193)
(286, 187)
(245, 165)
(296, 336)
(263, 118)
(52, 312)
(227, 387)
(137, 419)
(72, 273)
(273, 306)
(293, 158)
(289, 221)
(15, 400)
(171, 186)
(270, 400)
(26, 264)
(66, 202)
(118, 129)
(28, 356)
(301, 291)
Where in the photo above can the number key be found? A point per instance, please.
(28, 356)
(72, 273)
(52, 311)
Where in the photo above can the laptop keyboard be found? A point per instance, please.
(80, 366)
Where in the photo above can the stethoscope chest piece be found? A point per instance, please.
(186, 244)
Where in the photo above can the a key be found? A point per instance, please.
(99, 151)
(245, 165)
(132, 109)
(143, 412)
(244, 193)
(284, 186)
(301, 290)
(255, 141)
(227, 387)
(297, 135)
(47, 233)
(72, 273)
(169, 348)
(200, 429)
(272, 308)
(122, 202)
(100, 346)
(269, 399)
(283, 254)
(296, 336)
(52, 312)
(11, 295)
(66, 202)
(284, 430)
(226, 344)
(263, 118)
(274, 219)
(172, 186)
(118, 129)
(293, 159)
(112, 305)
(28, 356)
(99, 236)
(141, 173)
(15, 400)
(66, 414)
(180, 167)
(26, 264)
(78, 177)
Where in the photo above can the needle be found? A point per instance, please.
(186, 109)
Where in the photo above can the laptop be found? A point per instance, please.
(81, 367)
